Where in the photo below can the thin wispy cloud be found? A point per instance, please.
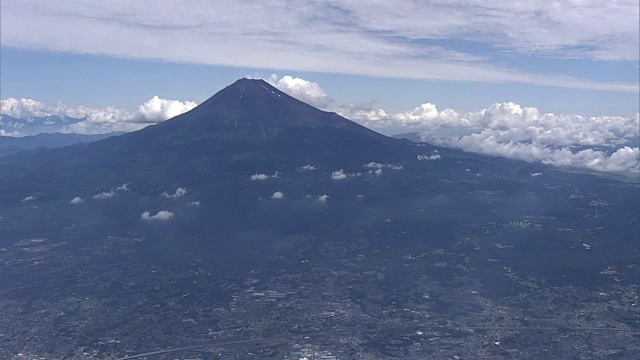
(29, 198)
(307, 167)
(421, 40)
(104, 195)
(180, 192)
(123, 187)
(109, 194)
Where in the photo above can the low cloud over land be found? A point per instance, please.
(603, 143)
(163, 215)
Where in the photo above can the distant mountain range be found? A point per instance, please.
(36, 125)
(255, 215)
(412, 136)
(9, 145)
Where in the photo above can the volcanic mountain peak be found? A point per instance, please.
(254, 109)
(256, 100)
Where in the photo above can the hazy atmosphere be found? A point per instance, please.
(319, 179)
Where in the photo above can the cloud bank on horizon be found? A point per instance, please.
(603, 143)
(91, 120)
(471, 41)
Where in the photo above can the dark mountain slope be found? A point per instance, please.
(9, 145)
(248, 126)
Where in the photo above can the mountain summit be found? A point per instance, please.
(254, 110)
(245, 126)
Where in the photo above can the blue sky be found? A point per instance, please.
(467, 55)
(99, 81)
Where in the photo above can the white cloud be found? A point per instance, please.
(260, 177)
(111, 193)
(278, 195)
(97, 120)
(429, 157)
(308, 167)
(603, 143)
(359, 37)
(22, 108)
(29, 198)
(111, 119)
(123, 187)
(104, 195)
(301, 89)
(341, 174)
(194, 203)
(157, 110)
(323, 198)
(178, 193)
(162, 215)
(536, 174)
(12, 133)
(375, 165)
(338, 175)
(76, 200)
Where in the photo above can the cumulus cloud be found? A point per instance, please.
(429, 157)
(162, 215)
(96, 120)
(603, 143)
(29, 198)
(194, 203)
(535, 174)
(308, 167)
(178, 193)
(22, 108)
(278, 195)
(14, 133)
(260, 177)
(111, 119)
(76, 200)
(157, 110)
(375, 165)
(301, 89)
(338, 175)
(323, 198)
(341, 174)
